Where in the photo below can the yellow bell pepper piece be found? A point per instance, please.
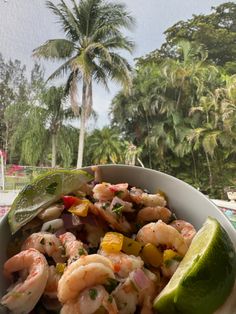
(169, 255)
(151, 255)
(163, 194)
(112, 242)
(60, 267)
(131, 247)
(80, 209)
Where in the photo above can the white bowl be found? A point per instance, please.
(187, 203)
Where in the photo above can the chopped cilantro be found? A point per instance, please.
(119, 193)
(81, 252)
(117, 209)
(93, 294)
(178, 258)
(111, 285)
(105, 206)
(50, 229)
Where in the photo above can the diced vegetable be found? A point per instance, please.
(81, 208)
(69, 200)
(170, 255)
(140, 279)
(151, 255)
(60, 267)
(163, 194)
(131, 247)
(112, 242)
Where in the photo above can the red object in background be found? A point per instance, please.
(14, 168)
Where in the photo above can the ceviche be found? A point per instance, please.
(108, 248)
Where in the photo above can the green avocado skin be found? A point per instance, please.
(212, 289)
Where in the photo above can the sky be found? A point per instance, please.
(26, 24)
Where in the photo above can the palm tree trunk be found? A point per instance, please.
(81, 139)
(54, 150)
(194, 165)
(210, 172)
(82, 126)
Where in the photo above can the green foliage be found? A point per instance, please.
(90, 52)
(182, 113)
(35, 119)
(104, 146)
(216, 32)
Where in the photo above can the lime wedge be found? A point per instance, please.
(204, 277)
(42, 192)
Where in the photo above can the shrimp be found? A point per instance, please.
(113, 217)
(24, 294)
(148, 214)
(105, 191)
(73, 248)
(123, 264)
(52, 283)
(186, 229)
(159, 233)
(52, 212)
(152, 200)
(46, 243)
(91, 300)
(86, 272)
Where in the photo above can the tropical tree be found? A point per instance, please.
(46, 116)
(215, 132)
(91, 51)
(13, 89)
(104, 146)
(56, 113)
(215, 31)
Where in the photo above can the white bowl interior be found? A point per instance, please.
(187, 203)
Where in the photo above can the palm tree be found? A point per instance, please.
(89, 52)
(55, 114)
(105, 146)
(41, 123)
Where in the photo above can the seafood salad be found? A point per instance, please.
(106, 248)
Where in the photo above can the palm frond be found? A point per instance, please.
(55, 49)
(67, 25)
(209, 142)
(63, 69)
(119, 42)
(119, 70)
(98, 48)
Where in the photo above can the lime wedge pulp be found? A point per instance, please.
(42, 192)
(204, 277)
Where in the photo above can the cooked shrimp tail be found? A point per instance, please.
(24, 294)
